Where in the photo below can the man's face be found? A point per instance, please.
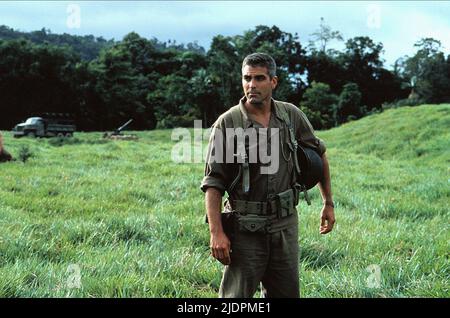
(257, 84)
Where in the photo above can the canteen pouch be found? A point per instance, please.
(228, 222)
(251, 223)
(285, 203)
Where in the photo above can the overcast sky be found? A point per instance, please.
(398, 25)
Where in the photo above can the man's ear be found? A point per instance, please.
(274, 82)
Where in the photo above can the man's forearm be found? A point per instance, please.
(213, 201)
(325, 185)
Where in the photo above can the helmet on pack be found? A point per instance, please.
(311, 167)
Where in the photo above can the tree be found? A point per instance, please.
(87, 47)
(326, 69)
(224, 70)
(321, 104)
(122, 88)
(363, 65)
(205, 96)
(349, 105)
(322, 37)
(35, 79)
(179, 98)
(426, 73)
(177, 109)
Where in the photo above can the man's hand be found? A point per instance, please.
(220, 247)
(327, 219)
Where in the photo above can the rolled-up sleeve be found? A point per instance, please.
(216, 175)
(305, 133)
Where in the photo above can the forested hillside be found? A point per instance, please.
(103, 83)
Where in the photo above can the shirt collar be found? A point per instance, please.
(247, 121)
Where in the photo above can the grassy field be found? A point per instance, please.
(95, 218)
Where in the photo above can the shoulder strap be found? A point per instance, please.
(293, 145)
(244, 169)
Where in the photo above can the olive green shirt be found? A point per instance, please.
(262, 186)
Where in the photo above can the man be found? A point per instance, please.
(263, 246)
(4, 155)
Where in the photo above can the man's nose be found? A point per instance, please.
(252, 83)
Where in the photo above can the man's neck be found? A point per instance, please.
(259, 110)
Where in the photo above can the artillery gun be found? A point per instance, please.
(117, 134)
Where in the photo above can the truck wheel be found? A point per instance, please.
(31, 134)
(69, 135)
(60, 135)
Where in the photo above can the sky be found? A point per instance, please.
(397, 24)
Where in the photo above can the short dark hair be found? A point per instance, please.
(263, 60)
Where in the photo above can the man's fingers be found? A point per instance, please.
(326, 229)
(325, 232)
(222, 255)
(323, 224)
(226, 259)
(327, 221)
(218, 254)
(330, 224)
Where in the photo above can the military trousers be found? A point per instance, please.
(266, 259)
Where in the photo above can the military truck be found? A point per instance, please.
(45, 127)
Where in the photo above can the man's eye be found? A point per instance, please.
(258, 78)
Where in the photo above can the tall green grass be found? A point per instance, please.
(132, 221)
